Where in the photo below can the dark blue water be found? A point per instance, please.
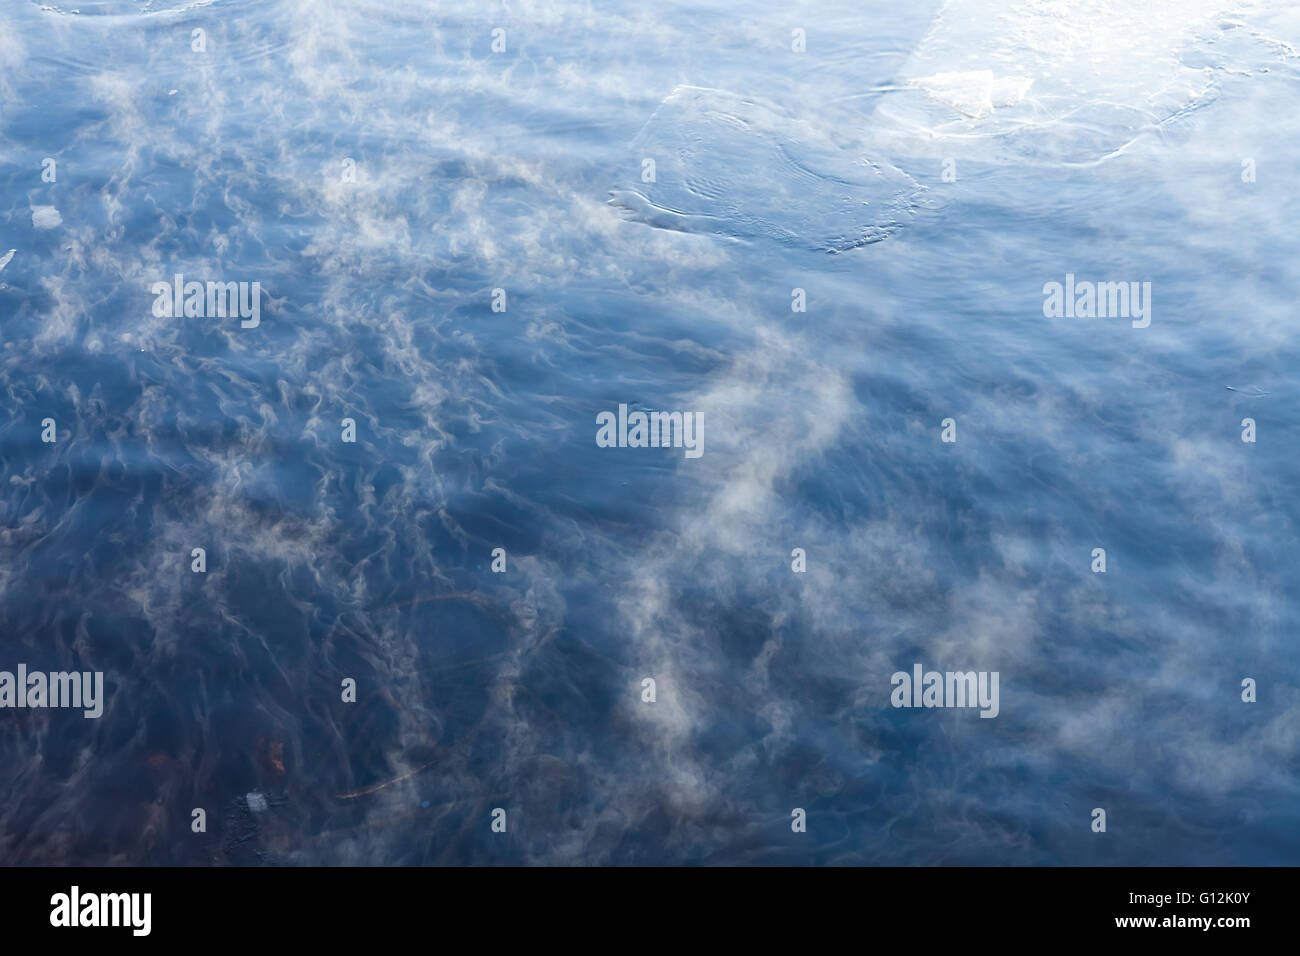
(380, 170)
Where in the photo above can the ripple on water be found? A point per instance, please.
(731, 165)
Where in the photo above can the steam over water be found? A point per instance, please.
(918, 171)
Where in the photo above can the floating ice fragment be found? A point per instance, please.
(1051, 81)
(975, 93)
